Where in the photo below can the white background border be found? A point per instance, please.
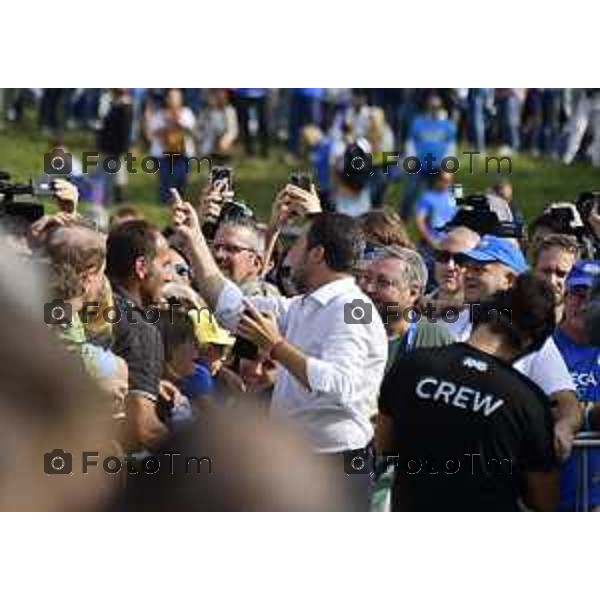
(332, 44)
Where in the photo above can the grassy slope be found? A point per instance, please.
(536, 181)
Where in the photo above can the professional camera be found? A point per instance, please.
(566, 218)
(475, 213)
(588, 203)
(28, 211)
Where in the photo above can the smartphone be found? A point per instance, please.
(301, 180)
(222, 174)
(244, 348)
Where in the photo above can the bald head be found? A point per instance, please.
(459, 240)
(77, 245)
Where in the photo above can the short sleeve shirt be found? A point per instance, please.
(139, 343)
(469, 427)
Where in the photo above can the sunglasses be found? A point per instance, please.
(443, 256)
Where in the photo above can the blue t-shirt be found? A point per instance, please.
(319, 160)
(201, 383)
(583, 363)
(434, 136)
(438, 207)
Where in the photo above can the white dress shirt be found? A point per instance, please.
(345, 362)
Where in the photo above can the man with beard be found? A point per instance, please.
(395, 283)
(239, 251)
(138, 265)
(329, 344)
(553, 259)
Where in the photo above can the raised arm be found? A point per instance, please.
(208, 277)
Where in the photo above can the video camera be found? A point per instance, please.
(588, 203)
(562, 217)
(28, 211)
(475, 213)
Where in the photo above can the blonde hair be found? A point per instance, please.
(97, 328)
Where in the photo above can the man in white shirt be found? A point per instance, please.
(329, 343)
(491, 267)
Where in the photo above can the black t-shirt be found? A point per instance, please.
(140, 345)
(468, 425)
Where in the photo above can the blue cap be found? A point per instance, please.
(583, 273)
(497, 249)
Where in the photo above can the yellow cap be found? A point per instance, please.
(208, 330)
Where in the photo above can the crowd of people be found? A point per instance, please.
(450, 370)
(558, 124)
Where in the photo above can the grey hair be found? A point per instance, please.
(259, 240)
(413, 270)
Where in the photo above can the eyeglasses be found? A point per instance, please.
(381, 282)
(231, 248)
(443, 256)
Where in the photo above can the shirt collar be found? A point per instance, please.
(119, 291)
(324, 294)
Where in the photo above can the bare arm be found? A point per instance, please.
(541, 490)
(208, 277)
(567, 421)
(385, 440)
(144, 426)
(291, 201)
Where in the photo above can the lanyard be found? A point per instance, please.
(408, 341)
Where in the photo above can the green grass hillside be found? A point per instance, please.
(536, 181)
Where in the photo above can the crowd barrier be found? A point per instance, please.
(582, 445)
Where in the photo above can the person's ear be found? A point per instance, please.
(140, 268)
(316, 255)
(414, 293)
(258, 263)
(510, 279)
